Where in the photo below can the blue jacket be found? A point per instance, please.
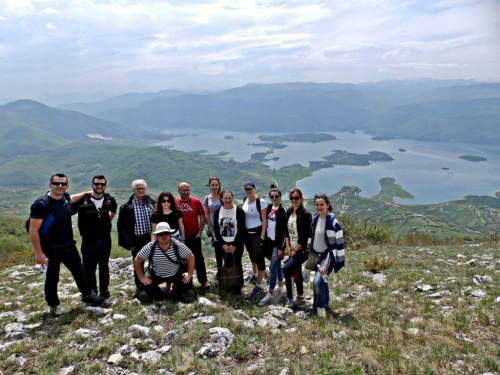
(334, 241)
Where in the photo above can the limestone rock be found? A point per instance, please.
(138, 330)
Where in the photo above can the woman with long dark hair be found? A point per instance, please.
(298, 226)
(211, 204)
(167, 211)
(229, 229)
(327, 242)
(276, 232)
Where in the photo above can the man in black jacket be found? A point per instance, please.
(134, 227)
(95, 213)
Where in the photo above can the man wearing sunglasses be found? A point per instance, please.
(54, 244)
(95, 213)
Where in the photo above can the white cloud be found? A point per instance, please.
(2, 18)
(50, 26)
(50, 11)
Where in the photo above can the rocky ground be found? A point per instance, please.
(435, 311)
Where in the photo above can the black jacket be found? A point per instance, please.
(126, 221)
(281, 226)
(304, 219)
(92, 223)
(240, 225)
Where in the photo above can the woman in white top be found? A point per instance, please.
(211, 203)
(255, 209)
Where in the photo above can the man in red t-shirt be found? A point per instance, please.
(193, 218)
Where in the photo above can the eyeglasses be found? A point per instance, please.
(100, 184)
(294, 198)
(274, 196)
(166, 201)
(163, 234)
(58, 183)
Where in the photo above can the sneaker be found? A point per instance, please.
(300, 300)
(257, 289)
(206, 285)
(252, 279)
(55, 311)
(321, 312)
(93, 299)
(170, 287)
(266, 300)
(105, 294)
(280, 289)
(289, 303)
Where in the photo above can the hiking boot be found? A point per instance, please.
(252, 279)
(321, 311)
(257, 289)
(300, 300)
(105, 294)
(266, 300)
(93, 299)
(55, 311)
(289, 303)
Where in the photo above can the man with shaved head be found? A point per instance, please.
(193, 218)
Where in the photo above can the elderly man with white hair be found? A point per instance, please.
(134, 227)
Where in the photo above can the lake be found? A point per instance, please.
(418, 170)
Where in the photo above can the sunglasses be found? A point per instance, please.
(294, 198)
(59, 183)
(166, 201)
(274, 196)
(99, 184)
(320, 195)
(163, 234)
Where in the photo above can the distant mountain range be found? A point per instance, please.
(423, 109)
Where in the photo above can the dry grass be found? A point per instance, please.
(390, 329)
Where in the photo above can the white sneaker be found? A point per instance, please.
(266, 300)
(280, 289)
(321, 312)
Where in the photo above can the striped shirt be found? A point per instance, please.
(162, 266)
(142, 212)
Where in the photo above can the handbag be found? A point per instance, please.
(230, 278)
(313, 260)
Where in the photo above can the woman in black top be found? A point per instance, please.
(298, 225)
(167, 211)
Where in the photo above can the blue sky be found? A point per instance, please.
(100, 47)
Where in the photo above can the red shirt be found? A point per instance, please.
(191, 210)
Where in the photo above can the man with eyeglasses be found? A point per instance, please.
(95, 214)
(134, 226)
(51, 236)
(193, 218)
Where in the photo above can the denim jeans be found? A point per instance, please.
(275, 269)
(320, 289)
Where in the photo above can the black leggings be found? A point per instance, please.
(294, 265)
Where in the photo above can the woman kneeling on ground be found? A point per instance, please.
(298, 227)
(326, 241)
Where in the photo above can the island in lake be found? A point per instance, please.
(475, 159)
(339, 157)
(228, 137)
(271, 145)
(298, 137)
(402, 150)
(445, 169)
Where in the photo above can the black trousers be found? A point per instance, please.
(156, 294)
(69, 256)
(294, 266)
(94, 253)
(139, 243)
(194, 244)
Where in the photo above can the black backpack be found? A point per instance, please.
(257, 203)
(45, 199)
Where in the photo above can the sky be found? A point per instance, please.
(101, 48)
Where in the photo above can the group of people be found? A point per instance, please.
(167, 233)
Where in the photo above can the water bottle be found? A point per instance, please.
(324, 277)
(43, 268)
